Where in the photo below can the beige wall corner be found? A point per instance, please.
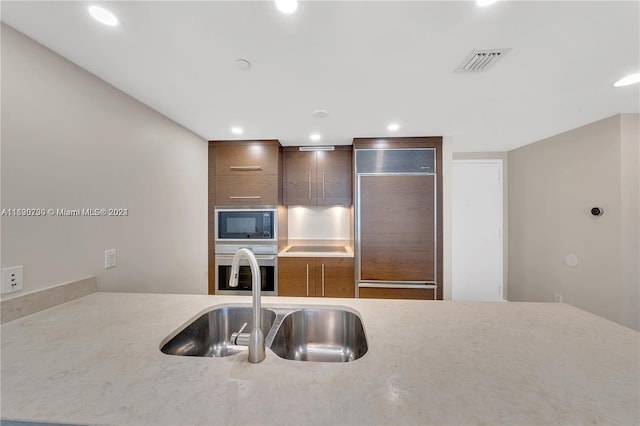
(30, 303)
(630, 219)
(72, 141)
(553, 184)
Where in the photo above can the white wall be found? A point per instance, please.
(70, 140)
(319, 223)
(553, 184)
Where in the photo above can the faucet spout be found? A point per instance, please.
(255, 339)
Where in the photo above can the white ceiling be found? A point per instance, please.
(366, 62)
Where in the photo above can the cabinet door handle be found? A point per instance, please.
(245, 168)
(307, 279)
(309, 180)
(323, 280)
(245, 197)
(323, 172)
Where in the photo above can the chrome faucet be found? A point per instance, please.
(255, 339)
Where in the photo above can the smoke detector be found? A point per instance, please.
(481, 59)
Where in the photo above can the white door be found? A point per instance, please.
(477, 258)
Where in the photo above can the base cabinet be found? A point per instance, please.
(316, 277)
(296, 276)
(396, 293)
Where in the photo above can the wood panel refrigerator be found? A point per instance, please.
(397, 229)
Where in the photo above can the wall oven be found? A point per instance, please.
(268, 275)
(246, 224)
(254, 228)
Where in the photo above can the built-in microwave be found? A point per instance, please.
(242, 224)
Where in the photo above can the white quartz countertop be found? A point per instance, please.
(96, 360)
(292, 251)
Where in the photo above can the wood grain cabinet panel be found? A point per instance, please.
(246, 190)
(247, 158)
(333, 176)
(296, 276)
(317, 178)
(335, 277)
(395, 293)
(247, 173)
(316, 277)
(299, 178)
(398, 243)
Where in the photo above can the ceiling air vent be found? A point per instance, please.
(481, 59)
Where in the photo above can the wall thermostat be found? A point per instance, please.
(597, 211)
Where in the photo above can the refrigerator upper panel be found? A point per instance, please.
(379, 161)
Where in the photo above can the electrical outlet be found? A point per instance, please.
(12, 279)
(557, 298)
(109, 258)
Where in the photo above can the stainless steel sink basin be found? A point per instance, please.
(208, 335)
(302, 333)
(329, 335)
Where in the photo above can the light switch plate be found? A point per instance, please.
(109, 258)
(12, 279)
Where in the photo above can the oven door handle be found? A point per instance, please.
(258, 257)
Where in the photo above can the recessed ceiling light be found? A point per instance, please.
(315, 137)
(236, 130)
(393, 127)
(485, 2)
(287, 6)
(320, 113)
(104, 16)
(626, 81)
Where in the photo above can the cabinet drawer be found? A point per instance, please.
(396, 293)
(249, 158)
(244, 190)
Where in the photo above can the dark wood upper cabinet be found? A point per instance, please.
(333, 177)
(299, 178)
(247, 172)
(247, 158)
(317, 178)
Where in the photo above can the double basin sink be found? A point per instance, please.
(321, 334)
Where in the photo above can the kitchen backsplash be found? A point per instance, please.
(327, 223)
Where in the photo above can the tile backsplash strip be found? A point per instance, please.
(27, 304)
